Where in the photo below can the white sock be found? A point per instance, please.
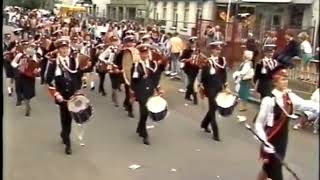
(9, 89)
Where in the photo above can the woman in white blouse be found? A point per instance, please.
(306, 54)
(244, 77)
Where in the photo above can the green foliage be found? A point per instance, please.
(28, 4)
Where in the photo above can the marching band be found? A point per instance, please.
(66, 56)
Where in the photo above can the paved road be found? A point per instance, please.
(33, 149)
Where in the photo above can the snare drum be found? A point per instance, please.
(226, 103)
(80, 108)
(157, 107)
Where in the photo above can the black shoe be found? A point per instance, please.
(18, 103)
(63, 141)
(68, 150)
(216, 138)
(28, 110)
(92, 88)
(9, 94)
(103, 93)
(188, 98)
(146, 141)
(195, 101)
(130, 114)
(27, 114)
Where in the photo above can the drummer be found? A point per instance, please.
(190, 68)
(143, 84)
(213, 80)
(262, 75)
(65, 72)
(272, 122)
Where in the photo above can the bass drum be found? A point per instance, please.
(226, 102)
(129, 57)
(157, 107)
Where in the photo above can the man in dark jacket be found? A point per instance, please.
(291, 50)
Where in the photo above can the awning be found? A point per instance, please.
(302, 1)
(267, 1)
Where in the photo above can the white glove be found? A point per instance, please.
(235, 75)
(269, 149)
(59, 98)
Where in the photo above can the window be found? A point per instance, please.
(174, 12)
(186, 14)
(97, 11)
(199, 9)
(296, 16)
(276, 20)
(154, 13)
(164, 14)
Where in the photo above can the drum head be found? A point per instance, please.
(225, 100)
(78, 103)
(129, 57)
(156, 104)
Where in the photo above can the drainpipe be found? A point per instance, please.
(315, 33)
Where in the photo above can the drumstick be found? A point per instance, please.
(283, 163)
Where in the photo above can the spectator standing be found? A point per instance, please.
(251, 45)
(244, 77)
(306, 54)
(218, 35)
(176, 48)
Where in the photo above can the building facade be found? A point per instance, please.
(181, 15)
(127, 9)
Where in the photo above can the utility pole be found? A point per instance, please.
(147, 11)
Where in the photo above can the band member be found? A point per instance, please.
(143, 84)
(64, 71)
(128, 42)
(17, 34)
(262, 75)
(25, 80)
(155, 36)
(191, 69)
(213, 80)
(108, 57)
(101, 69)
(272, 123)
(88, 49)
(8, 57)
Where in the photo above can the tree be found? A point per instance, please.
(29, 4)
